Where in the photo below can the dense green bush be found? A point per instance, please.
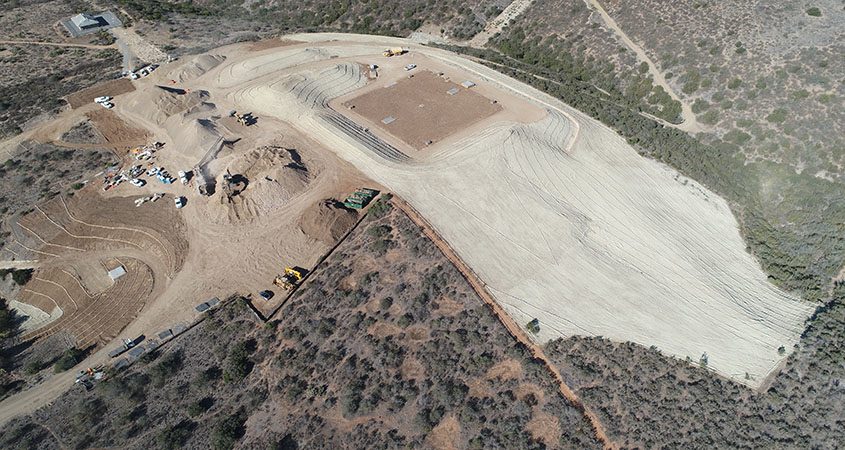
(70, 358)
(229, 430)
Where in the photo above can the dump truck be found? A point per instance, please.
(394, 51)
(289, 279)
(360, 198)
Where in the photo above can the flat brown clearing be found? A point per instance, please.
(267, 44)
(115, 131)
(423, 109)
(110, 88)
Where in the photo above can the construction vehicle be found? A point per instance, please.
(534, 326)
(126, 345)
(394, 51)
(360, 198)
(289, 279)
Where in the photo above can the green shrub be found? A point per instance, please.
(200, 406)
(814, 11)
(381, 207)
(777, 116)
(166, 368)
(22, 276)
(70, 358)
(238, 364)
(379, 231)
(228, 431)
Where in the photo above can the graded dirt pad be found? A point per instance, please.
(109, 88)
(115, 130)
(558, 215)
(422, 108)
(327, 222)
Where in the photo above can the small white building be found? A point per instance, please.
(85, 21)
(117, 272)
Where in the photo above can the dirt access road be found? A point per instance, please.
(690, 124)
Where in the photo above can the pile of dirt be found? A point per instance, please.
(327, 221)
(167, 102)
(198, 66)
(273, 177)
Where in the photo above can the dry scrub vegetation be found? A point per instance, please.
(765, 75)
(33, 78)
(174, 24)
(41, 171)
(386, 346)
(648, 400)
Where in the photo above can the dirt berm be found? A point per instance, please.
(326, 222)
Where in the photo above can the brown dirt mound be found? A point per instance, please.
(199, 66)
(167, 102)
(327, 223)
(275, 175)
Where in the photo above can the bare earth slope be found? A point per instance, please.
(560, 217)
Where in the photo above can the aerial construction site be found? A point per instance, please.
(247, 165)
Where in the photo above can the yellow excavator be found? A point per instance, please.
(289, 279)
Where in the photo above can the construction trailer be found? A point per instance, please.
(290, 278)
(360, 198)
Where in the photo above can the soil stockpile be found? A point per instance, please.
(327, 222)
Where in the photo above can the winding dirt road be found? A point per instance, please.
(690, 124)
(59, 44)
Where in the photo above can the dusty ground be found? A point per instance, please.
(422, 109)
(225, 246)
(606, 242)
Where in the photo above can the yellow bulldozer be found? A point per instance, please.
(395, 51)
(289, 279)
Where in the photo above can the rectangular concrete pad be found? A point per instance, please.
(423, 109)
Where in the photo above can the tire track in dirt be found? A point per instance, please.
(506, 320)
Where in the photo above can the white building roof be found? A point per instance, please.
(117, 272)
(84, 21)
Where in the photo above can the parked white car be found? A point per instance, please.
(137, 182)
(107, 105)
(180, 202)
(102, 99)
